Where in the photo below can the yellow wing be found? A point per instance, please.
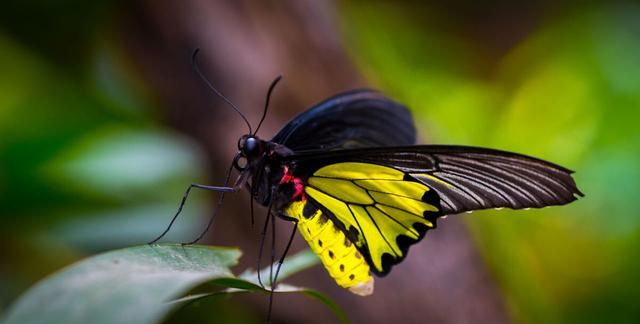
(380, 209)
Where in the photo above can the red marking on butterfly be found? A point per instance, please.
(288, 177)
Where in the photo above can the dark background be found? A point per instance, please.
(103, 123)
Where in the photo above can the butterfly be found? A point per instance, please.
(348, 173)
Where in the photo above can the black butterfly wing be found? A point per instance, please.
(465, 178)
(354, 119)
(385, 199)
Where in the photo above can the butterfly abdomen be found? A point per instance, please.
(338, 255)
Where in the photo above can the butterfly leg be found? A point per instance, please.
(263, 235)
(240, 182)
(286, 251)
(273, 251)
(280, 262)
(222, 190)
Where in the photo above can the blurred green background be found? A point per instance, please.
(89, 162)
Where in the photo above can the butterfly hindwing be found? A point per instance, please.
(382, 210)
(344, 262)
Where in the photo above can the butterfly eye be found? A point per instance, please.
(252, 148)
(250, 145)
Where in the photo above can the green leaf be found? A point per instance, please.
(248, 282)
(133, 285)
(143, 284)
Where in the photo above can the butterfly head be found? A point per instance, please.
(251, 146)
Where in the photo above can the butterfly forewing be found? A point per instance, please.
(465, 178)
(358, 118)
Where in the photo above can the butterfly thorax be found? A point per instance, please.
(270, 177)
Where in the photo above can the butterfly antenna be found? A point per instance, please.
(194, 62)
(266, 103)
